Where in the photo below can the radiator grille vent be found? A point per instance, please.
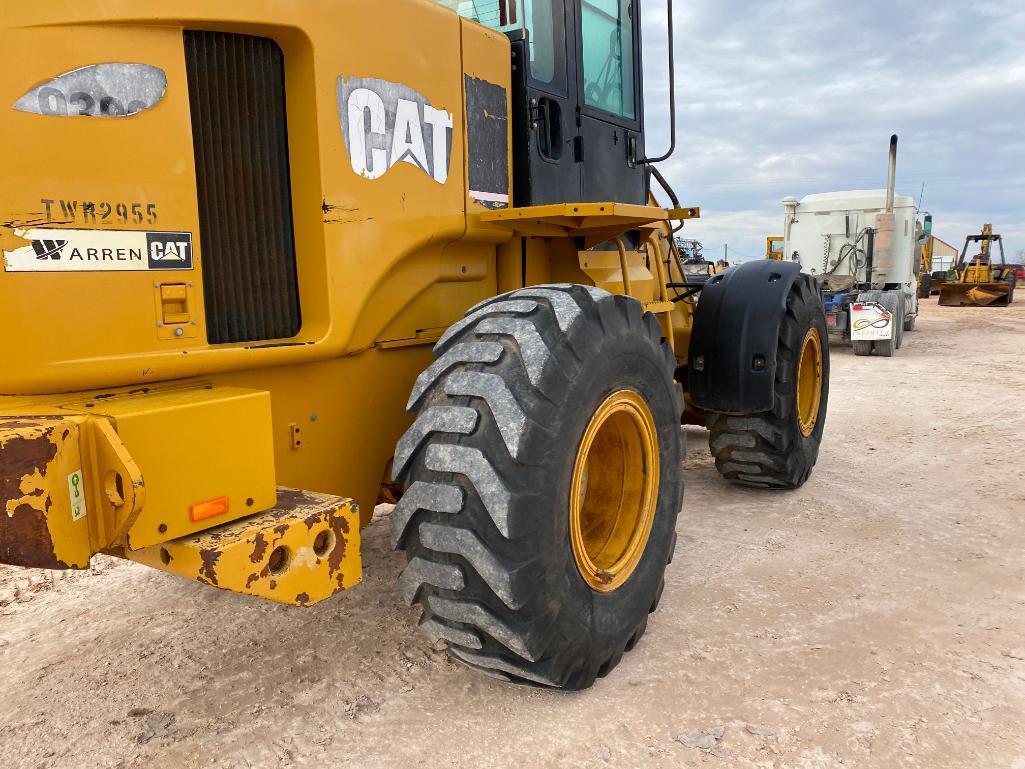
(237, 95)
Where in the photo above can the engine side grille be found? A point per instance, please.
(239, 128)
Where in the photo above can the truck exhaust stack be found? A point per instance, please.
(882, 259)
(891, 184)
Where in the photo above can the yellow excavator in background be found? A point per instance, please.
(980, 282)
(774, 248)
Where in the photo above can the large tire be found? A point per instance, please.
(488, 468)
(861, 348)
(770, 449)
(925, 286)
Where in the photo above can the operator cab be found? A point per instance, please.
(578, 111)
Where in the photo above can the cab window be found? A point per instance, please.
(535, 16)
(608, 41)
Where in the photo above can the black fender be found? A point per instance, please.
(732, 358)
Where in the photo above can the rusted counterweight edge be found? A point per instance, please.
(25, 539)
(38, 455)
(301, 552)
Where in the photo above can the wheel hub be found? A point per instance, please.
(809, 382)
(614, 491)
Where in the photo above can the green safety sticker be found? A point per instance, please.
(76, 489)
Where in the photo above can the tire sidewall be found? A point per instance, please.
(625, 361)
(808, 315)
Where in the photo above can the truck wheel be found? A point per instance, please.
(909, 322)
(885, 298)
(862, 348)
(892, 302)
(542, 484)
(902, 308)
(778, 449)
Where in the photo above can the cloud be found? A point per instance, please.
(794, 98)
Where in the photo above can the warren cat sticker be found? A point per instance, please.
(388, 123)
(870, 322)
(61, 250)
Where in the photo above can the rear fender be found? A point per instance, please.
(732, 359)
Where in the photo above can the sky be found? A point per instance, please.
(793, 98)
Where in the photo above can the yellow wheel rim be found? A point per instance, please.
(614, 492)
(809, 382)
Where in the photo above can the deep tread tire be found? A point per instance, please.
(768, 450)
(488, 466)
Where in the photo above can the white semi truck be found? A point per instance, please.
(864, 249)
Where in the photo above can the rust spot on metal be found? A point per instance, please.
(208, 571)
(27, 541)
(291, 499)
(313, 520)
(340, 527)
(259, 548)
(21, 423)
(24, 536)
(302, 599)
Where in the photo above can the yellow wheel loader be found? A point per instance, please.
(979, 280)
(267, 263)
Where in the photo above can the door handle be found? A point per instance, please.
(549, 127)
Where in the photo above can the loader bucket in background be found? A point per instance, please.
(975, 294)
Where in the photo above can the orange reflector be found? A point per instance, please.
(209, 509)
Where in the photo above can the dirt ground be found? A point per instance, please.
(876, 618)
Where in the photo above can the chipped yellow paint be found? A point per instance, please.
(37, 456)
(44, 460)
(301, 552)
(194, 443)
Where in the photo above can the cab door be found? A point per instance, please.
(578, 108)
(611, 108)
(545, 97)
